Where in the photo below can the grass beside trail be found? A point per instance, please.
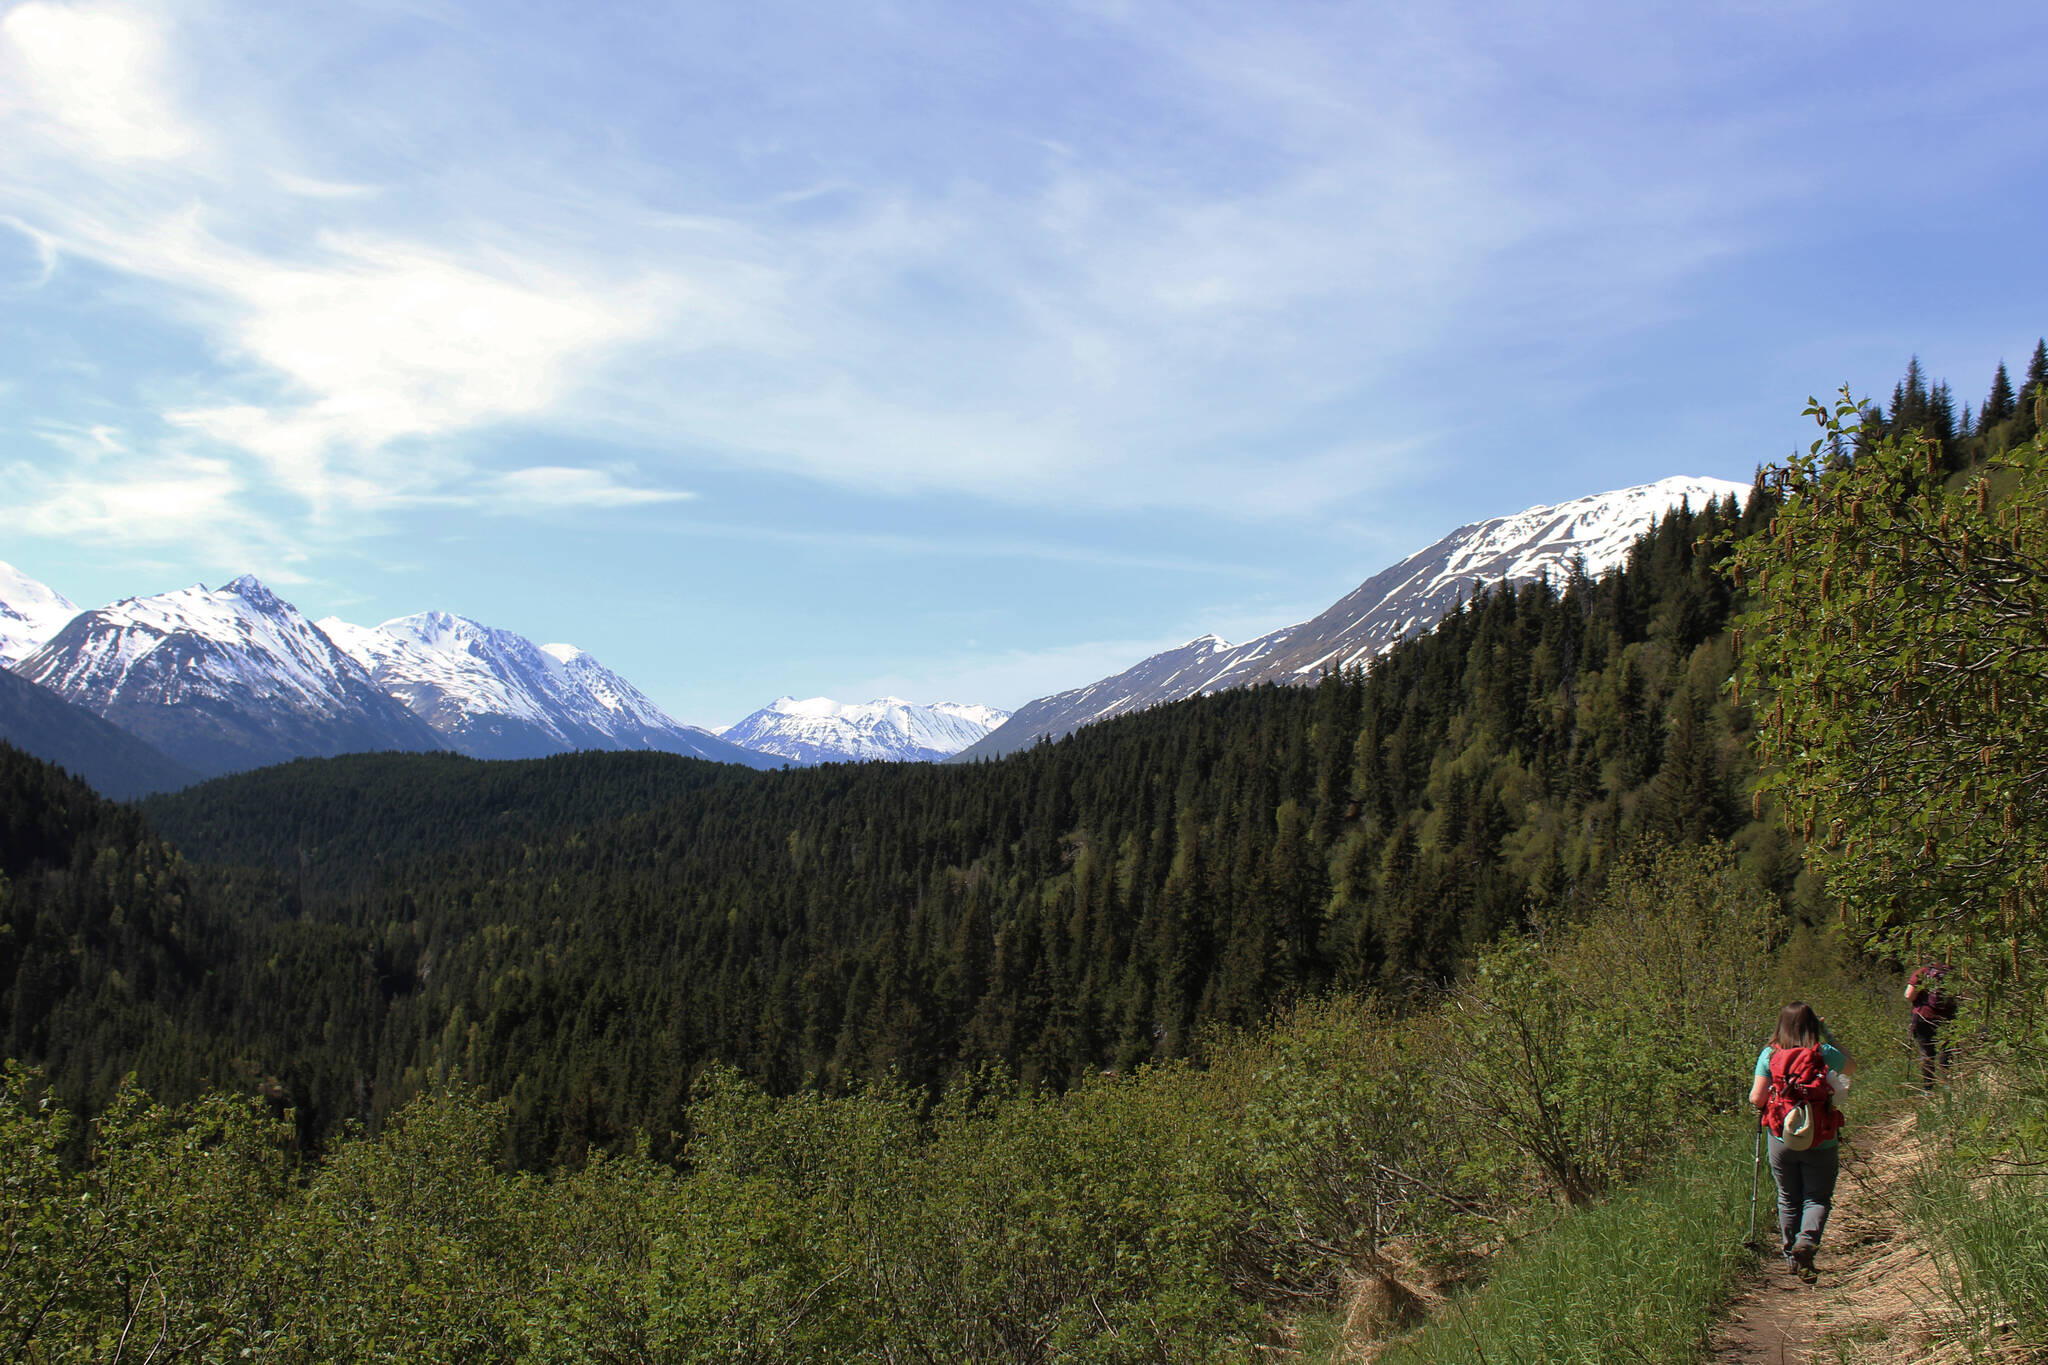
(1642, 1276)
(1638, 1277)
(1983, 1200)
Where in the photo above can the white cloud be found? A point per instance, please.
(541, 489)
(378, 343)
(180, 499)
(92, 76)
(1076, 320)
(344, 350)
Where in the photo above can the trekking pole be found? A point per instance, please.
(1756, 1169)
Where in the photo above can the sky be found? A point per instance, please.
(953, 351)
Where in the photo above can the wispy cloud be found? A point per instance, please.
(1202, 280)
(183, 494)
(541, 489)
(884, 544)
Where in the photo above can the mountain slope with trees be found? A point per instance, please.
(116, 763)
(582, 935)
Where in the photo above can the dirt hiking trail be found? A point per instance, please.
(1876, 1301)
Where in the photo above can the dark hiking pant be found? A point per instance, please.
(1928, 1037)
(1806, 1191)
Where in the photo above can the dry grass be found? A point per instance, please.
(1384, 1299)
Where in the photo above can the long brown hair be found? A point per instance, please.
(1798, 1026)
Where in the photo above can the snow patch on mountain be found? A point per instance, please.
(257, 645)
(492, 693)
(820, 730)
(222, 679)
(1393, 605)
(30, 613)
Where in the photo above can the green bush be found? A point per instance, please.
(1592, 1050)
(155, 1247)
(1336, 1143)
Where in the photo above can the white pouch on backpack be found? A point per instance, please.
(1796, 1130)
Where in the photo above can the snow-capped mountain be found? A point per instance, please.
(30, 613)
(824, 731)
(222, 679)
(1389, 607)
(493, 694)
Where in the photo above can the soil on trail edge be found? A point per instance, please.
(1876, 1300)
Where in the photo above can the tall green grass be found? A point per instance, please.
(1983, 1200)
(1639, 1277)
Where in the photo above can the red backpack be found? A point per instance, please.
(1799, 1080)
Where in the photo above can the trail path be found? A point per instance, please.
(1876, 1297)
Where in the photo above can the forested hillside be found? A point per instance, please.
(583, 934)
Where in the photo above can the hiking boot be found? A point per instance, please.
(1802, 1263)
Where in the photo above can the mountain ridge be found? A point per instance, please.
(888, 729)
(1592, 534)
(492, 693)
(222, 679)
(30, 613)
(117, 764)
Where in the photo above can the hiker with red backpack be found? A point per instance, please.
(1934, 1008)
(1799, 1074)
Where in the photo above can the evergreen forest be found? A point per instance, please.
(583, 935)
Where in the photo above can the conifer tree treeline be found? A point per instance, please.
(582, 935)
(1928, 410)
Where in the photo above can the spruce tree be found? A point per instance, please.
(1941, 414)
(2031, 391)
(2000, 404)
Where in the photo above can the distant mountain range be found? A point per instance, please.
(222, 679)
(151, 693)
(490, 693)
(1395, 604)
(153, 690)
(824, 731)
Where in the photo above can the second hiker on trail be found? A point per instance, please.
(1799, 1074)
(1934, 1009)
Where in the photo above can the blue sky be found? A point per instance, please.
(958, 351)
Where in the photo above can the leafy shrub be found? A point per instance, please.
(1592, 1050)
(1339, 1143)
(157, 1246)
